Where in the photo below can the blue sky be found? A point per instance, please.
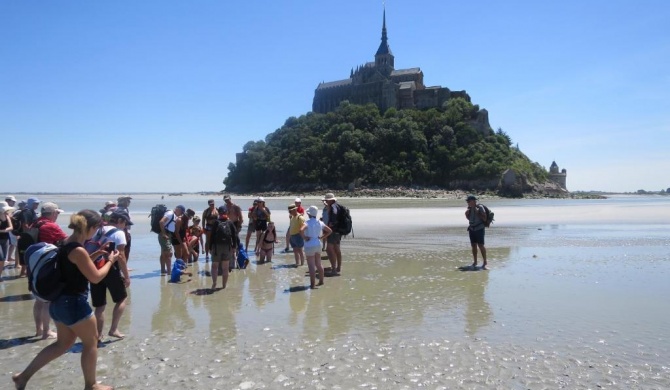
(125, 96)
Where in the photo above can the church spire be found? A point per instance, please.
(384, 55)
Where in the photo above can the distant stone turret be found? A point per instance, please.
(557, 177)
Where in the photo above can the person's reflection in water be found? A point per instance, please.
(262, 285)
(172, 313)
(477, 311)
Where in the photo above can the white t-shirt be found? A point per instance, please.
(313, 231)
(118, 237)
(170, 223)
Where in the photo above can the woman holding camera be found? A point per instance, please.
(70, 311)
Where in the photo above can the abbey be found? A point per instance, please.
(380, 83)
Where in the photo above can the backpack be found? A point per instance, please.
(98, 240)
(223, 233)
(242, 257)
(17, 222)
(157, 213)
(31, 235)
(44, 272)
(344, 224)
(489, 216)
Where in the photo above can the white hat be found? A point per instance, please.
(10, 197)
(312, 211)
(297, 200)
(329, 196)
(50, 207)
(260, 199)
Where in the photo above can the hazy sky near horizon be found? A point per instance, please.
(158, 96)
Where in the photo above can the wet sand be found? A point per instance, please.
(576, 297)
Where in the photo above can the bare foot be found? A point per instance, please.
(50, 334)
(320, 283)
(18, 383)
(116, 334)
(99, 386)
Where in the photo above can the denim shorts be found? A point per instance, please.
(297, 241)
(70, 309)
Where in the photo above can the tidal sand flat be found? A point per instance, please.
(576, 297)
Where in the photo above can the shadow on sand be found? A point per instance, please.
(296, 289)
(466, 268)
(147, 275)
(284, 266)
(17, 298)
(15, 342)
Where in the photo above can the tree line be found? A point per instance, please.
(438, 147)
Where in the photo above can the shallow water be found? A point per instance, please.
(576, 297)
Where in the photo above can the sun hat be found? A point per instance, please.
(110, 203)
(312, 211)
(297, 200)
(50, 207)
(124, 197)
(292, 207)
(329, 196)
(10, 197)
(31, 201)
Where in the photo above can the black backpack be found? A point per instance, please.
(344, 224)
(17, 222)
(223, 233)
(489, 216)
(157, 213)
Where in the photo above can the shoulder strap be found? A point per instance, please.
(111, 231)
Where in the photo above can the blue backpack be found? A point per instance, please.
(242, 257)
(44, 271)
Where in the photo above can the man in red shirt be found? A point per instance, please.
(51, 233)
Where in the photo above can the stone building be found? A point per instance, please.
(558, 177)
(380, 83)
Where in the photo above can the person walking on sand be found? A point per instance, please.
(117, 280)
(313, 231)
(71, 311)
(209, 217)
(123, 202)
(13, 239)
(476, 216)
(222, 246)
(296, 238)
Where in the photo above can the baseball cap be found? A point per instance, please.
(260, 199)
(124, 197)
(10, 197)
(210, 201)
(121, 214)
(222, 210)
(181, 206)
(470, 197)
(226, 197)
(50, 207)
(297, 200)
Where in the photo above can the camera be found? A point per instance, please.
(111, 247)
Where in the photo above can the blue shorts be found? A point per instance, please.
(297, 241)
(70, 309)
(477, 236)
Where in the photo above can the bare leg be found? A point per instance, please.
(319, 268)
(208, 236)
(65, 340)
(312, 271)
(215, 272)
(100, 319)
(87, 331)
(116, 317)
(2, 268)
(338, 256)
(247, 239)
(332, 257)
(482, 249)
(474, 255)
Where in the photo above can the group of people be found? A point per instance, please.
(88, 263)
(219, 236)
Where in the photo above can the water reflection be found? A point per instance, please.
(172, 314)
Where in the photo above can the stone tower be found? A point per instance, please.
(557, 177)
